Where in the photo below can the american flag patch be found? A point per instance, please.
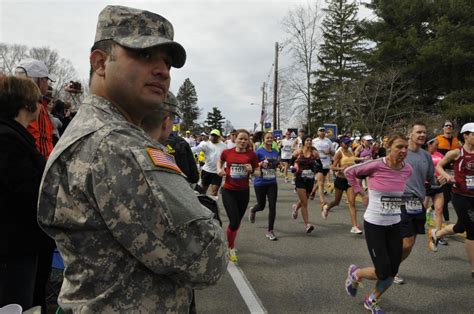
(162, 159)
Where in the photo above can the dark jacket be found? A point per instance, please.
(184, 157)
(21, 168)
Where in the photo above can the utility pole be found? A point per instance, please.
(262, 113)
(275, 91)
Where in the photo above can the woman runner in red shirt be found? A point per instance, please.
(240, 163)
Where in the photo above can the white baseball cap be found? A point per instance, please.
(468, 127)
(33, 68)
(368, 138)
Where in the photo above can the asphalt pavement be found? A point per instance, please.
(305, 273)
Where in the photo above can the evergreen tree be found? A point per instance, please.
(187, 98)
(215, 120)
(432, 44)
(339, 58)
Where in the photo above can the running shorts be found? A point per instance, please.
(306, 184)
(208, 178)
(341, 184)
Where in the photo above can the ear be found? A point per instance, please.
(97, 61)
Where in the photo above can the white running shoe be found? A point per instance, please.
(356, 230)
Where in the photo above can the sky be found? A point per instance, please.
(230, 44)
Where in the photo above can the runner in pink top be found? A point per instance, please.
(434, 193)
(386, 184)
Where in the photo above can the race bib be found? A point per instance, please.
(268, 174)
(391, 205)
(238, 171)
(307, 174)
(470, 182)
(413, 206)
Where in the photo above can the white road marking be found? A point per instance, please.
(246, 291)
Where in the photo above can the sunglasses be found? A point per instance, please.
(448, 125)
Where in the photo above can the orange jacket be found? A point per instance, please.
(42, 131)
(445, 145)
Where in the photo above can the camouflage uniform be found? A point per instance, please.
(130, 243)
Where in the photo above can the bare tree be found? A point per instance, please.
(302, 27)
(61, 70)
(380, 102)
(10, 56)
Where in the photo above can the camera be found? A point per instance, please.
(73, 87)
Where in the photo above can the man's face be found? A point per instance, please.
(43, 85)
(418, 135)
(137, 80)
(321, 133)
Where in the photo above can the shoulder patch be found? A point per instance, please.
(162, 159)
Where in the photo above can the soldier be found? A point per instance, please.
(107, 197)
(175, 144)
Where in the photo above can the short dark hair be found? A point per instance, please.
(104, 45)
(421, 123)
(17, 93)
(154, 119)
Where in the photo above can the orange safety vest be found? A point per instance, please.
(445, 144)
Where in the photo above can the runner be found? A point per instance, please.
(446, 142)
(365, 149)
(212, 150)
(413, 213)
(387, 177)
(343, 159)
(325, 149)
(435, 193)
(286, 154)
(231, 140)
(307, 162)
(265, 183)
(463, 192)
(240, 163)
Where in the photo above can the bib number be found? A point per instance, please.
(470, 183)
(391, 205)
(307, 174)
(238, 171)
(413, 206)
(268, 174)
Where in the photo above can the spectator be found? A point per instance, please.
(132, 233)
(21, 166)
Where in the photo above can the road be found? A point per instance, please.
(303, 273)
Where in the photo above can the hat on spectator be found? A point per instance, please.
(139, 29)
(321, 128)
(468, 127)
(171, 104)
(345, 139)
(215, 132)
(32, 68)
(368, 138)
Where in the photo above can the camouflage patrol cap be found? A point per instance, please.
(171, 103)
(138, 29)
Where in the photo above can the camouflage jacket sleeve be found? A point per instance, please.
(154, 214)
